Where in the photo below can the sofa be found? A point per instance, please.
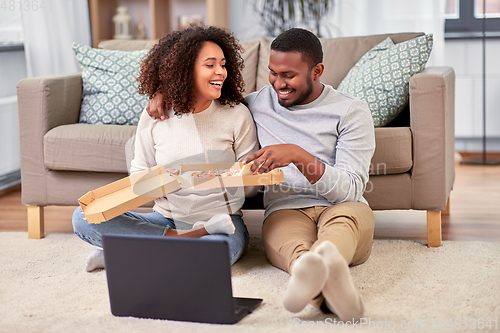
(412, 167)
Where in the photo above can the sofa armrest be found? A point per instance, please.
(432, 122)
(43, 103)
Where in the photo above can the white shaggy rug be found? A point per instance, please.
(405, 286)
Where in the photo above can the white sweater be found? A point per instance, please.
(218, 134)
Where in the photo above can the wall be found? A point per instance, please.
(464, 55)
(13, 68)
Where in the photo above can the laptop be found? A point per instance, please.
(181, 279)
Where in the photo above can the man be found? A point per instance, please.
(317, 222)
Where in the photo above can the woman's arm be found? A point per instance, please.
(144, 151)
(245, 141)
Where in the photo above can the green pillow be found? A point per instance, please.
(110, 86)
(382, 76)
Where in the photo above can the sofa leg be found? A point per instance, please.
(35, 222)
(434, 234)
(446, 211)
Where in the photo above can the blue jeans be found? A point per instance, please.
(154, 224)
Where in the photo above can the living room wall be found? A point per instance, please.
(12, 69)
(464, 55)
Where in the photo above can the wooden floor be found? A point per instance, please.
(474, 214)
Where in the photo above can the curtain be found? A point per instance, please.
(370, 17)
(49, 33)
(359, 18)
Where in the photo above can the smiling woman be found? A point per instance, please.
(209, 75)
(171, 64)
(198, 71)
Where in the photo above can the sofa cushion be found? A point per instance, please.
(250, 55)
(382, 76)
(393, 151)
(86, 147)
(110, 85)
(339, 55)
(110, 148)
(127, 45)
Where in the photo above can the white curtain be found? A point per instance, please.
(369, 17)
(49, 33)
(359, 18)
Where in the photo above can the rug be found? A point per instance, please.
(404, 285)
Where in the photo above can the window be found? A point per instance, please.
(465, 17)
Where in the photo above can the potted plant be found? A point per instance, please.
(277, 16)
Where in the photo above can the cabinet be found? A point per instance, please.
(160, 17)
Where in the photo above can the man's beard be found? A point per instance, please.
(302, 97)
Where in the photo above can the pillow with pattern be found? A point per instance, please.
(110, 85)
(382, 76)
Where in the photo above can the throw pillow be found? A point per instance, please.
(110, 85)
(382, 76)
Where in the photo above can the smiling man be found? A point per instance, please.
(317, 222)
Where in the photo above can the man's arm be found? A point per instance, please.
(346, 179)
(155, 107)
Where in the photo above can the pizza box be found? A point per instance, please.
(119, 197)
(186, 179)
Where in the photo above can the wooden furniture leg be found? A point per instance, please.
(35, 222)
(446, 211)
(434, 234)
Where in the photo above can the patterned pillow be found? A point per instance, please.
(110, 86)
(382, 76)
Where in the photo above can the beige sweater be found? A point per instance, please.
(218, 134)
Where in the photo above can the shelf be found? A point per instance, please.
(102, 12)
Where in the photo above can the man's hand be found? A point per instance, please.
(155, 107)
(272, 157)
(172, 171)
(276, 156)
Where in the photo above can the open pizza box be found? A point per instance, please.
(119, 197)
(116, 198)
(189, 176)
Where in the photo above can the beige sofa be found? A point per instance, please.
(413, 165)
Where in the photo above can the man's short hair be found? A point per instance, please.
(302, 41)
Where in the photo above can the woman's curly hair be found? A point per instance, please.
(169, 67)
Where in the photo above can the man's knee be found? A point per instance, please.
(281, 250)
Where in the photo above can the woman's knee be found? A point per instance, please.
(78, 219)
(239, 225)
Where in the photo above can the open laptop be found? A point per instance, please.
(172, 278)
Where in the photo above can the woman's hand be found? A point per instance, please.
(276, 156)
(155, 107)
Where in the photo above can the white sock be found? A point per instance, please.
(341, 296)
(218, 224)
(95, 260)
(308, 277)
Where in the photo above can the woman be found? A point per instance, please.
(198, 70)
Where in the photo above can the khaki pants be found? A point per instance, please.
(289, 233)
